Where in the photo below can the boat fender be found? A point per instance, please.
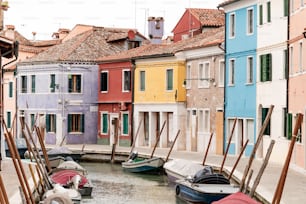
(60, 198)
(177, 190)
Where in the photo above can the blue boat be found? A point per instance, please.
(204, 188)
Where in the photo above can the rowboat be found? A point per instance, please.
(237, 198)
(204, 187)
(143, 165)
(176, 169)
(60, 194)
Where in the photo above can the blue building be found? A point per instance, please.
(240, 74)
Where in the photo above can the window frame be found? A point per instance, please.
(221, 70)
(231, 73)
(125, 123)
(188, 76)
(75, 83)
(269, 18)
(24, 84)
(169, 79)
(11, 89)
(204, 74)
(104, 85)
(250, 70)
(250, 21)
(266, 69)
(142, 80)
(232, 25)
(51, 122)
(76, 123)
(33, 83)
(104, 128)
(126, 80)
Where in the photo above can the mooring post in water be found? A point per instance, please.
(259, 138)
(262, 168)
(157, 139)
(228, 145)
(238, 159)
(177, 134)
(207, 149)
(281, 182)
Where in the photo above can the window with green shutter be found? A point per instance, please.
(266, 67)
(289, 126)
(32, 121)
(9, 119)
(33, 79)
(169, 79)
(74, 83)
(260, 14)
(264, 114)
(125, 124)
(10, 89)
(104, 123)
(52, 83)
(24, 84)
(76, 123)
(142, 80)
(51, 122)
(286, 7)
(268, 11)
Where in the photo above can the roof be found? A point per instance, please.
(84, 47)
(208, 17)
(209, 38)
(227, 2)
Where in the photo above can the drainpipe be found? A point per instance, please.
(224, 90)
(132, 109)
(287, 67)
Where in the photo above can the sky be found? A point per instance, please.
(46, 16)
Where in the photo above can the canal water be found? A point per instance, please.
(114, 185)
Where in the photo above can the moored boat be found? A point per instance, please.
(237, 198)
(143, 165)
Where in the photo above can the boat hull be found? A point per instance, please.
(203, 193)
(146, 165)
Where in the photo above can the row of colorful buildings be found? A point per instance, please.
(97, 85)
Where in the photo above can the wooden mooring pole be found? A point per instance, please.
(177, 134)
(207, 149)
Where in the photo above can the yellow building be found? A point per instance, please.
(160, 100)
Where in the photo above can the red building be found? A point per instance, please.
(197, 20)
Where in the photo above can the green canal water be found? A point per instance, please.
(114, 185)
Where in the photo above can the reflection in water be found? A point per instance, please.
(114, 185)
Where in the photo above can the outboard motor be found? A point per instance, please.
(207, 170)
(134, 155)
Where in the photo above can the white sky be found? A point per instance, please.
(47, 16)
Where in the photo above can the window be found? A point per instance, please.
(104, 81)
(142, 81)
(51, 122)
(24, 84)
(201, 121)
(10, 89)
(250, 130)
(188, 76)
(291, 60)
(104, 123)
(286, 6)
(133, 44)
(126, 82)
(74, 83)
(206, 121)
(33, 83)
(265, 67)
(125, 124)
(301, 56)
(286, 64)
(75, 123)
(52, 83)
(231, 72)
(289, 126)
(249, 70)
(232, 25)
(264, 113)
(268, 11)
(32, 116)
(203, 75)
(260, 14)
(169, 78)
(250, 21)
(8, 119)
(221, 73)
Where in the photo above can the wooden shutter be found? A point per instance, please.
(286, 7)
(260, 15)
(69, 121)
(125, 124)
(289, 126)
(82, 123)
(10, 89)
(48, 122)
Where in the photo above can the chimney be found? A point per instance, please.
(156, 29)
(10, 32)
(63, 32)
(34, 34)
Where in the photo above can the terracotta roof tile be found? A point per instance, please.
(209, 38)
(84, 47)
(208, 17)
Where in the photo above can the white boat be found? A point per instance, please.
(59, 193)
(143, 165)
(181, 169)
